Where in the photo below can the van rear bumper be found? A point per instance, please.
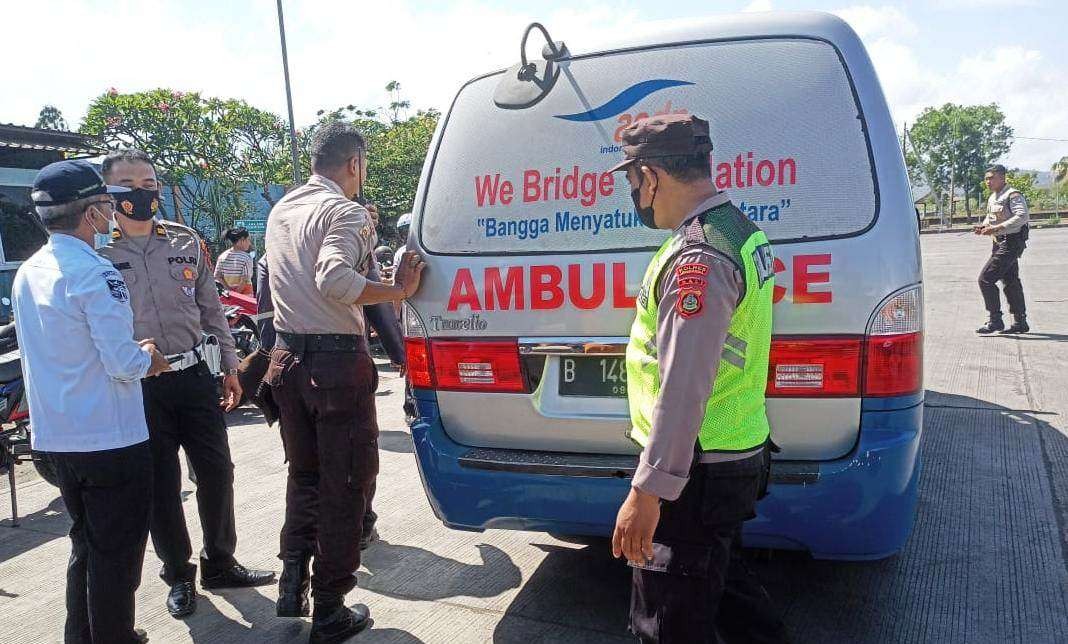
(861, 506)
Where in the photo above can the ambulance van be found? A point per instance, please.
(516, 338)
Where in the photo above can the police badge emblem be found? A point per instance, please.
(690, 303)
(189, 291)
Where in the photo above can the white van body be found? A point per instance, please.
(535, 255)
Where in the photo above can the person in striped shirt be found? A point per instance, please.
(234, 268)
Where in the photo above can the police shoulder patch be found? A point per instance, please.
(116, 286)
(690, 303)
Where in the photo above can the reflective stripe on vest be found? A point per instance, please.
(735, 418)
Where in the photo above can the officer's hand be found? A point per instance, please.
(635, 525)
(408, 272)
(987, 230)
(978, 230)
(159, 361)
(231, 393)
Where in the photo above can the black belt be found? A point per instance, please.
(321, 343)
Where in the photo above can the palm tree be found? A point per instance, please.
(1060, 172)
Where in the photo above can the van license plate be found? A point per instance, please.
(593, 377)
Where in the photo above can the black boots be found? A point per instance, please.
(293, 585)
(993, 324)
(1019, 325)
(334, 622)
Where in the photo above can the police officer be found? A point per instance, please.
(175, 301)
(697, 367)
(83, 369)
(380, 317)
(322, 378)
(1007, 223)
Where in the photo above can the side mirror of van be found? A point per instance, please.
(525, 84)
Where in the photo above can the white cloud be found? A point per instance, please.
(875, 22)
(759, 5)
(1030, 89)
(342, 52)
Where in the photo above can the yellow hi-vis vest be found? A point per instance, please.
(735, 418)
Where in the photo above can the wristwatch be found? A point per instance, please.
(231, 372)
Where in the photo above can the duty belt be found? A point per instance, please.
(180, 361)
(301, 343)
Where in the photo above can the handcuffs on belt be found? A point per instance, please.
(193, 357)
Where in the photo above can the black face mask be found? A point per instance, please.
(138, 204)
(645, 214)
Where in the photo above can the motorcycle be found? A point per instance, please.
(241, 312)
(15, 419)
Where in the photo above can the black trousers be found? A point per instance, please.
(698, 587)
(183, 410)
(1004, 266)
(330, 435)
(109, 503)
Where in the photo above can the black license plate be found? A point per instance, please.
(598, 377)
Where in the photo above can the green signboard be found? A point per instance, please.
(253, 226)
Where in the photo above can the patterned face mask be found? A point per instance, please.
(138, 204)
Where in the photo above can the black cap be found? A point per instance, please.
(670, 135)
(66, 181)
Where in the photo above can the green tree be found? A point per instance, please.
(952, 145)
(205, 149)
(396, 152)
(1025, 183)
(51, 118)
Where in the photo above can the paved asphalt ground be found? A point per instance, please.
(986, 562)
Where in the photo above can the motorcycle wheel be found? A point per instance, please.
(46, 469)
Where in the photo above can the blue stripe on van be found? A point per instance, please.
(624, 100)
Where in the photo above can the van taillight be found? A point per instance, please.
(459, 365)
(894, 349)
(889, 356)
(476, 366)
(894, 365)
(810, 367)
(418, 356)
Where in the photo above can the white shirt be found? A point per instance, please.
(83, 368)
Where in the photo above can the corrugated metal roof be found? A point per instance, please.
(32, 138)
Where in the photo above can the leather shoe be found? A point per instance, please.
(293, 585)
(182, 599)
(339, 625)
(992, 325)
(141, 635)
(236, 576)
(1018, 326)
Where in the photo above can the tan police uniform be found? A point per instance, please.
(323, 380)
(1008, 216)
(175, 301)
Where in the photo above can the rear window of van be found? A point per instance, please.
(789, 148)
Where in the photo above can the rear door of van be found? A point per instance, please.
(535, 254)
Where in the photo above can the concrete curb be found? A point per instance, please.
(964, 229)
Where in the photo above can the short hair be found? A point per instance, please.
(236, 234)
(997, 168)
(334, 144)
(126, 155)
(65, 217)
(685, 168)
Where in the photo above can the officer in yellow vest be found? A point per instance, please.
(697, 367)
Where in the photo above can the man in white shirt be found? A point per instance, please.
(83, 373)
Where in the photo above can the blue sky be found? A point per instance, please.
(344, 51)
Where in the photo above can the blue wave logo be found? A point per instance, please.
(625, 100)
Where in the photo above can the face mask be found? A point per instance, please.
(138, 204)
(645, 214)
(100, 239)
